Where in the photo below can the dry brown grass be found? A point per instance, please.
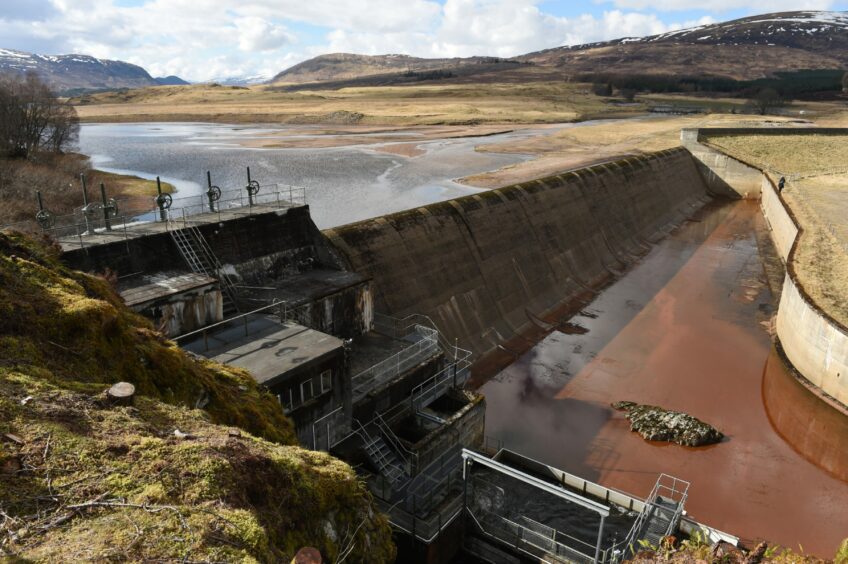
(817, 193)
(788, 154)
(540, 102)
(589, 143)
(57, 177)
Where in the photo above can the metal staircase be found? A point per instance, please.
(661, 514)
(387, 461)
(200, 259)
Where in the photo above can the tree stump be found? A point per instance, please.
(307, 555)
(121, 393)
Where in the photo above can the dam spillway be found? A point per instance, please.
(685, 329)
(680, 318)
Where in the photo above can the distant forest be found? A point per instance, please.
(798, 85)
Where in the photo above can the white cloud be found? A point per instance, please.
(203, 39)
(755, 6)
(257, 34)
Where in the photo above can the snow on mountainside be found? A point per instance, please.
(768, 29)
(752, 47)
(75, 72)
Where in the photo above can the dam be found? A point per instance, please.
(507, 322)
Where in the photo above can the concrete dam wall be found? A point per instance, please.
(487, 267)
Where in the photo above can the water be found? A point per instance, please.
(344, 184)
(684, 329)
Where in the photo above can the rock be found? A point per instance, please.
(183, 436)
(121, 393)
(658, 424)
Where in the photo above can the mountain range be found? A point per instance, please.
(74, 73)
(749, 48)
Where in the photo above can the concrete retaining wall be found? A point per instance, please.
(723, 175)
(484, 266)
(815, 344)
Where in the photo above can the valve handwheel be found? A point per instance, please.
(45, 219)
(164, 201)
(252, 187)
(214, 193)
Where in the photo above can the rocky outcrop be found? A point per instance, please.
(658, 424)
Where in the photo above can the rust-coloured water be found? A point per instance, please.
(685, 330)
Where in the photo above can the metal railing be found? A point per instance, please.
(675, 490)
(425, 529)
(408, 458)
(424, 348)
(281, 310)
(452, 376)
(397, 327)
(78, 227)
(537, 540)
(329, 430)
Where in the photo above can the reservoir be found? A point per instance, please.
(685, 329)
(343, 184)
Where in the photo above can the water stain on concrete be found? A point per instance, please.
(684, 329)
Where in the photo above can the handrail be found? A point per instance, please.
(424, 320)
(77, 225)
(395, 442)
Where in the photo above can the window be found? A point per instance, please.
(326, 381)
(306, 392)
(285, 400)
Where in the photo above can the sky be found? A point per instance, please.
(202, 40)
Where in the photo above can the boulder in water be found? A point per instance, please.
(658, 424)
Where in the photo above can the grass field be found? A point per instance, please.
(460, 104)
(588, 143)
(816, 167)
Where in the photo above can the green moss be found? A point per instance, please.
(216, 496)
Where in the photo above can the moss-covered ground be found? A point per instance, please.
(202, 467)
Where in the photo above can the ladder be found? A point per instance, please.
(383, 457)
(201, 260)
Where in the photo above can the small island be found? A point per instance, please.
(658, 424)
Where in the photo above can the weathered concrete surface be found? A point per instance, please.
(485, 266)
(176, 302)
(814, 343)
(723, 175)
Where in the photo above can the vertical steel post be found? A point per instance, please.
(249, 188)
(600, 539)
(85, 205)
(162, 213)
(106, 209)
(209, 191)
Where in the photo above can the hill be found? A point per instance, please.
(170, 81)
(202, 467)
(73, 74)
(744, 49)
(348, 66)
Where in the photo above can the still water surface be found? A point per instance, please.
(344, 184)
(684, 329)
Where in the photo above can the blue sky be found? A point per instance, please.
(209, 39)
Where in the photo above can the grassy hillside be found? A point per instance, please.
(460, 104)
(202, 467)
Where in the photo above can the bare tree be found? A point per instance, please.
(33, 119)
(767, 100)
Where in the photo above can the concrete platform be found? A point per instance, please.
(269, 351)
(307, 286)
(71, 237)
(140, 290)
